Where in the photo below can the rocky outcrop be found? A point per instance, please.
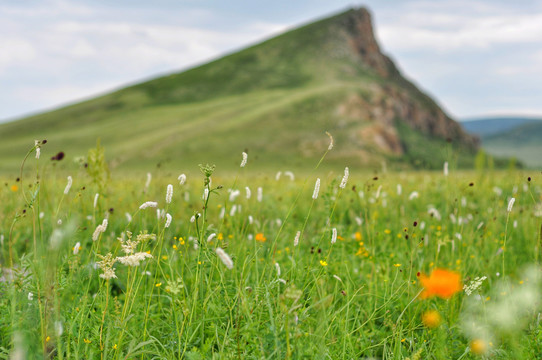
(397, 99)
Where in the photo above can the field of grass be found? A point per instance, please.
(243, 266)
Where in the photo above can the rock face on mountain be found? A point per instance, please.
(276, 98)
(388, 102)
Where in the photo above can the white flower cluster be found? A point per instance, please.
(474, 285)
(129, 246)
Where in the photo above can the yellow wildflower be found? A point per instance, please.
(431, 319)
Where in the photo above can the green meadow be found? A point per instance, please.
(241, 264)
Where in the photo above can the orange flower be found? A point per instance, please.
(14, 188)
(441, 283)
(259, 237)
(478, 346)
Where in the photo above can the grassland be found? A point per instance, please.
(359, 297)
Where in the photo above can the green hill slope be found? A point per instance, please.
(275, 99)
(523, 142)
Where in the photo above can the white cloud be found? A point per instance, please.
(18, 51)
(461, 31)
(92, 49)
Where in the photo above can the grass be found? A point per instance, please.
(357, 298)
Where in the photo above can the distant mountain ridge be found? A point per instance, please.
(275, 99)
(518, 137)
(488, 126)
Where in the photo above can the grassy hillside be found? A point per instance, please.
(275, 99)
(517, 137)
(523, 142)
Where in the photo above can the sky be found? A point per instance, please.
(475, 57)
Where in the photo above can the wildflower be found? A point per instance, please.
(397, 265)
(260, 194)
(296, 239)
(30, 296)
(330, 141)
(511, 204)
(14, 188)
(158, 284)
(434, 213)
(323, 262)
(68, 185)
(399, 189)
(413, 195)
(224, 257)
(99, 230)
(250, 219)
(211, 237)
(277, 267)
(333, 236)
(260, 237)
(87, 341)
(169, 193)
(378, 190)
(148, 204)
(128, 217)
(38, 148)
(316, 189)
(47, 339)
(277, 176)
(148, 182)
(474, 285)
(290, 175)
(182, 179)
(431, 319)
(134, 259)
(59, 329)
(245, 158)
(107, 266)
(345, 178)
(478, 346)
(96, 200)
(234, 194)
(442, 283)
(337, 278)
(168, 220)
(247, 189)
(76, 248)
(445, 170)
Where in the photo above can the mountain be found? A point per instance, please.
(274, 99)
(484, 127)
(510, 137)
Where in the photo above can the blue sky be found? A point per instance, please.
(477, 58)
